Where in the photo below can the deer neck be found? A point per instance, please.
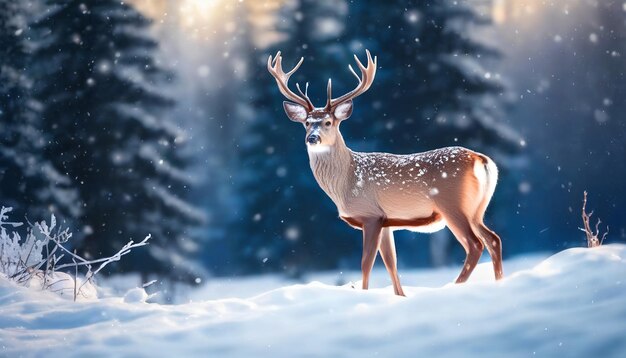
(331, 168)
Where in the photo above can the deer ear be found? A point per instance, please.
(295, 112)
(343, 111)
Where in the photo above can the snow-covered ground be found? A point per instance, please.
(572, 304)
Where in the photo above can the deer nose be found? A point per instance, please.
(314, 139)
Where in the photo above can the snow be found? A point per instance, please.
(65, 286)
(379, 167)
(136, 295)
(570, 304)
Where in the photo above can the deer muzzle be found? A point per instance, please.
(314, 139)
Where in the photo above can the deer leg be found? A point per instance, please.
(388, 253)
(462, 230)
(371, 242)
(494, 246)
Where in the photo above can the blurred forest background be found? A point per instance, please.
(158, 116)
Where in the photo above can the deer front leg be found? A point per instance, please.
(371, 243)
(388, 253)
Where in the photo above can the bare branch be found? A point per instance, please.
(75, 279)
(592, 237)
(16, 265)
(105, 260)
(604, 235)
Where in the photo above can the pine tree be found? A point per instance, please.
(104, 108)
(28, 182)
(431, 88)
(286, 223)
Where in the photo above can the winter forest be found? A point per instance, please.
(121, 120)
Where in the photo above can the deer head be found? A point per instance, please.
(321, 123)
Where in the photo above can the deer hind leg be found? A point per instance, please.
(494, 246)
(460, 226)
(371, 243)
(388, 253)
(489, 238)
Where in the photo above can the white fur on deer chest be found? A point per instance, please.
(334, 173)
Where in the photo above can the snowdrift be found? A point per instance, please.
(571, 304)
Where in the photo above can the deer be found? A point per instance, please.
(379, 193)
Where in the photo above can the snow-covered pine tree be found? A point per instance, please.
(104, 106)
(28, 181)
(286, 223)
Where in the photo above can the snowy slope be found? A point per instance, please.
(248, 286)
(572, 304)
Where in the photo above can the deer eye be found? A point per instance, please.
(327, 124)
(306, 123)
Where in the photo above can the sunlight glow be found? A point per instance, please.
(217, 20)
(197, 13)
(520, 10)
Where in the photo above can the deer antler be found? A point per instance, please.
(282, 78)
(365, 81)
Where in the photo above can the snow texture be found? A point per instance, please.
(64, 285)
(571, 304)
(136, 295)
(404, 171)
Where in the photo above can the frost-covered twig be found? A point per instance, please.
(75, 279)
(3, 211)
(105, 260)
(37, 258)
(592, 238)
(125, 250)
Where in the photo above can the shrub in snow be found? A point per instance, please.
(592, 237)
(37, 260)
